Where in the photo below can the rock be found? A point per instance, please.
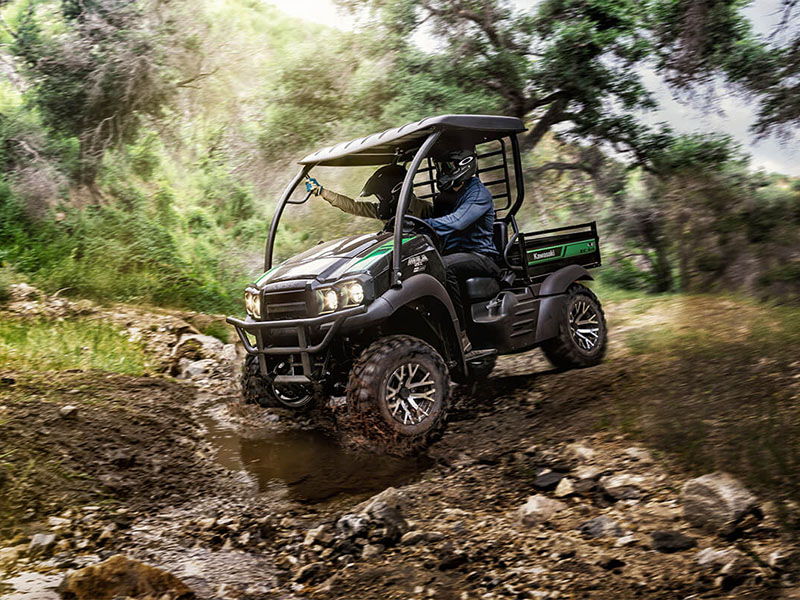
(625, 540)
(415, 537)
(195, 346)
(671, 541)
(41, 543)
(207, 523)
(23, 291)
(600, 527)
(198, 368)
(716, 502)
(451, 559)
(318, 536)
(580, 452)
(11, 554)
(122, 459)
(372, 550)
(58, 522)
(539, 509)
(352, 526)
(639, 454)
(715, 559)
(564, 488)
(609, 563)
(228, 354)
(123, 576)
(391, 497)
(68, 411)
(310, 573)
(548, 481)
(623, 486)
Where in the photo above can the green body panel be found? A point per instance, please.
(542, 255)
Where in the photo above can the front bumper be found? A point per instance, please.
(305, 329)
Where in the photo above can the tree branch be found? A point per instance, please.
(186, 82)
(554, 114)
(563, 166)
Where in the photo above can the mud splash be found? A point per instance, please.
(310, 465)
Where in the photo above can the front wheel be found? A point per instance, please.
(257, 389)
(398, 394)
(582, 335)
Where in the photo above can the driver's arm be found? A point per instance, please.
(420, 208)
(348, 205)
(472, 208)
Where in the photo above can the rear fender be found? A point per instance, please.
(552, 299)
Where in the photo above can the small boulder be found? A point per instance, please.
(310, 573)
(623, 486)
(372, 550)
(539, 509)
(548, 481)
(196, 346)
(318, 536)
(671, 541)
(716, 502)
(352, 526)
(198, 368)
(600, 527)
(123, 576)
(41, 543)
(580, 452)
(68, 411)
(565, 488)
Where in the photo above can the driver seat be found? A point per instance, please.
(485, 288)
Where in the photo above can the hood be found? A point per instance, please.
(331, 260)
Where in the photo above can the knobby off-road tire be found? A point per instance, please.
(582, 333)
(398, 395)
(256, 389)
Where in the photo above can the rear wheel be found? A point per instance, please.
(582, 334)
(257, 389)
(398, 394)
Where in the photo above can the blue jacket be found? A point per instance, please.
(469, 228)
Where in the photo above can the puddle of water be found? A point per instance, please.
(312, 465)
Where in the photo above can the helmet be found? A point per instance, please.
(454, 168)
(385, 185)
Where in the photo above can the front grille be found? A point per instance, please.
(286, 305)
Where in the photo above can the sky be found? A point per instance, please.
(732, 114)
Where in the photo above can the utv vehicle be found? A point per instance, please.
(368, 317)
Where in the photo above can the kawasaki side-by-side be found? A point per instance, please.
(368, 317)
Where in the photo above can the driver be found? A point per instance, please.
(466, 232)
(384, 184)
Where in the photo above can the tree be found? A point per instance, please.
(702, 41)
(563, 65)
(98, 79)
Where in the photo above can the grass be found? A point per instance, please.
(84, 344)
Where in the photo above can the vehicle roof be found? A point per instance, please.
(381, 148)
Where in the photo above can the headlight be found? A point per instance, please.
(353, 294)
(252, 303)
(328, 300)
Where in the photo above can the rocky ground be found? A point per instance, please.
(528, 495)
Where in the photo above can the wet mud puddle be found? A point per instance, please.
(309, 465)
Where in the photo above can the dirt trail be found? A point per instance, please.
(239, 502)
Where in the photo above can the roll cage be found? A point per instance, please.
(418, 143)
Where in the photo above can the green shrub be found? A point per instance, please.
(624, 274)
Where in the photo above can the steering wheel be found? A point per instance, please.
(417, 222)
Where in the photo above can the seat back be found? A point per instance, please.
(500, 236)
